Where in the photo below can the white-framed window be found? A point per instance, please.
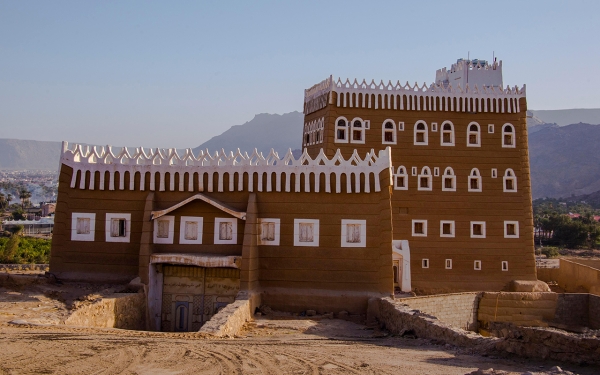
(414, 171)
(447, 228)
(494, 172)
(477, 265)
(511, 229)
(354, 233)
(421, 135)
(436, 171)
(164, 229)
(509, 181)
(388, 132)
(473, 135)
(83, 226)
(190, 230)
(306, 232)
(447, 136)
(419, 228)
(225, 230)
(491, 128)
(477, 229)
(268, 231)
(434, 126)
(448, 264)
(475, 181)
(341, 130)
(400, 126)
(449, 180)
(357, 134)
(425, 263)
(504, 265)
(425, 179)
(401, 179)
(118, 227)
(508, 136)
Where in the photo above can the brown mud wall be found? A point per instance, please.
(458, 309)
(126, 311)
(573, 277)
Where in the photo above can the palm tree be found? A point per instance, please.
(9, 198)
(2, 201)
(24, 196)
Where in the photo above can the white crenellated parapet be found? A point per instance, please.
(87, 160)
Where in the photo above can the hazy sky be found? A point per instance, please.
(175, 73)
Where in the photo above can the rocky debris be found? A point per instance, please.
(311, 313)
(528, 286)
(265, 310)
(553, 371)
(343, 314)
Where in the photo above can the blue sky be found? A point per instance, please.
(174, 74)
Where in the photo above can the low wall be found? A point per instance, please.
(123, 310)
(594, 263)
(519, 308)
(456, 309)
(573, 277)
(230, 320)
(594, 312)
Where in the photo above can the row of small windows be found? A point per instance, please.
(477, 229)
(476, 264)
(425, 179)
(313, 132)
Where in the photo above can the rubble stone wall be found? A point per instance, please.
(230, 320)
(126, 311)
(456, 309)
(519, 308)
(572, 309)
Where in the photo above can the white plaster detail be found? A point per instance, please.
(269, 231)
(434, 127)
(306, 232)
(354, 233)
(477, 265)
(83, 226)
(494, 172)
(421, 134)
(112, 233)
(419, 231)
(448, 264)
(425, 263)
(357, 130)
(446, 223)
(401, 179)
(508, 136)
(425, 180)
(225, 231)
(473, 135)
(401, 253)
(401, 126)
(475, 183)
(164, 230)
(449, 180)
(388, 131)
(504, 265)
(447, 134)
(436, 171)
(490, 128)
(515, 229)
(313, 132)
(474, 229)
(190, 227)
(342, 131)
(509, 181)
(414, 171)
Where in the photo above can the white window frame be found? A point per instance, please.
(401, 173)
(505, 178)
(449, 176)
(434, 127)
(171, 234)
(315, 242)
(504, 266)
(363, 233)
(425, 136)
(477, 133)
(474, 174)
(414, 171)
(476, 263)
(425, 173)
(448, 264)
(516, 224)
(436, 172)
(513, 133)
(385, 130)
(362, 129)
(276, 234)
(483, 230)
(400, 126)
(185, 219)
(452, 228)
(234, 232)
(424, 234)
(83, 236)
(425, 263)
(336, 127)
(442, 132)
(108, 221)
(490, 128)
(494, 172)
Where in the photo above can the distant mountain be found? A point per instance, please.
(563, 117)
(263, 132)
(23, 154)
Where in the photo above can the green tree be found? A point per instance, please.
(24, 196)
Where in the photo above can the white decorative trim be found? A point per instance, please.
(483, 231)
(477, 134)
(449, 174)
(504, 266)
(83, 236)
(182, 221)
(451, 131)
(424, 234)
(414, 171)
(315, 241)
(425, 173)
(448, 264)
(234, 231)
(392, 131)
(401, 174)
(400, 126)
(490, 128)
(107, 228)
(511, 133)
(425, 263)
(364, 125)
(363, 233)
(171, 234)
(494, 172)
(516, 224)
(436, 172)
(425, 134)
(452, 228)
(276, 231)
(345, 128)
(475, 175)
(314, 131)
(477, 265)
(509, 175)
(434, 127)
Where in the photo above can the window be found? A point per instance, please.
(508, 136)
(421, 137)
(190, 230)
(118, 227)
(388, 135)
(434, 126)
(510, 181)
(511, 229)
(477, 229)
(354, 233)
(419, 228)
(268, 232)
(447, 228)
(504, 265)
(449, 180)
(341, 130)
(414, 171)
(491, 128)
(306, 232)
(447, 137)
(401, 126)
(358, 131)
(424, 263)
(477, 265)
(448, 264)
(494, 173)
(225, 231)
(164, 228)
(436, 171)
(425, 179)
(401, 179)
(82, 226)
(473, 135)
(475, 181)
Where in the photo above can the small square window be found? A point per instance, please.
(490, 128)
(269, 232)
(494, 172)
(414, 171)
(477, 229)
(477, 265)
(83, 226)
(190, 230)
(225, 231)
(434, 126)
(448, 264)
(401, 126)
(118, 227)
(164, 228)
(436, 171)
(447, 228)
(504, 265)
(424, 263)
(419, 228)
(511, 229)
(306, 232)
(354, 233)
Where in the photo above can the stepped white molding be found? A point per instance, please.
(87, 160)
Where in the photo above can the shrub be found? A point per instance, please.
(550, 251)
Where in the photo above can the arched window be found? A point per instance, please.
(510, 181)
(449, 180)
(341, 130)
(388, 133)
(447, 137)
(508, 136)
(421, 136)
(473, 135)
(425, 179)
(358, 131)
(475, 180)
(401, 179)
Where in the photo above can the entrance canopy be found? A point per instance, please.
(199, 260)
(213, 202)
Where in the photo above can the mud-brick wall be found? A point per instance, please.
(518, 308)
(457, 309)
(126, 311)
(573, 277)
(594, 311)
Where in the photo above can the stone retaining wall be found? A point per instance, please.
(457, 309)
(230, 320)
(122, 310)
(519, 308)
